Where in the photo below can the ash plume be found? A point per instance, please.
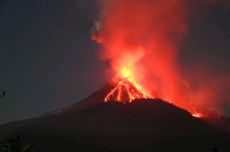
(146, 36)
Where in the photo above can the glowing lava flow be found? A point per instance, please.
(126, 89)
(197, 115)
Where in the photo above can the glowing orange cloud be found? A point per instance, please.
(141, 39)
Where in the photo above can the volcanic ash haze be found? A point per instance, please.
(144, 36)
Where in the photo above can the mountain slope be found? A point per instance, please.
(115, 127)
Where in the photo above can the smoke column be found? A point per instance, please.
(145, 36)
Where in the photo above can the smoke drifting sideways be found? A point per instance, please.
(145, 36)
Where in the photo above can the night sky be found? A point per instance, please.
(48, 60)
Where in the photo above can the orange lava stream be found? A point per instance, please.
(126, 89)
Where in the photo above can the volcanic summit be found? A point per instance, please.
(124, 91)
(125, 88)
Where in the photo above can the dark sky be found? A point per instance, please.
(48, 61)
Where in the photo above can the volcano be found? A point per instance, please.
(100, 123)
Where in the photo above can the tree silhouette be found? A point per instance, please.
(16, 145)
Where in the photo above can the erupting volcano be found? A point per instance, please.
(147, 104)
(140, 40)
(126, 89)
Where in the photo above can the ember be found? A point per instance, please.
(197, 115)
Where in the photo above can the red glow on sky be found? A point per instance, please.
(141, 40)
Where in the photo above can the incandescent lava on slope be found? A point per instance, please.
(124, 91)
(125, 88)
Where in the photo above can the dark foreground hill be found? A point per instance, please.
(144, 125)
